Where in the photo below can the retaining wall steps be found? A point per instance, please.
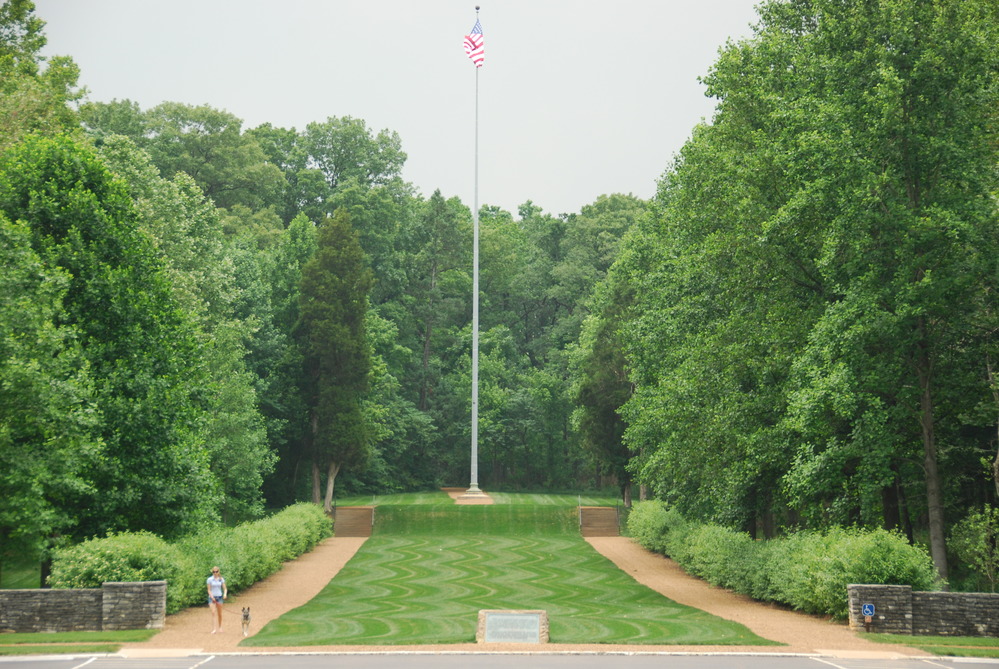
(353, 521)
(598, 521)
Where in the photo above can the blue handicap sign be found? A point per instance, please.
(867, 609)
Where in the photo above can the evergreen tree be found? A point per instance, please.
(337, 357)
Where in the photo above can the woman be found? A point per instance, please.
(217, 592)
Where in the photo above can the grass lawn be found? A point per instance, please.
(61, 643)
(429, 568)
(441, 497)
(956, 646)
(20, 575)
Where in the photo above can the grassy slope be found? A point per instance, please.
(429, 569)
(957, 646)
(53, 643)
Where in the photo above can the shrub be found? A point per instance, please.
(253, 551)
(807, 570)
(810, 570)
(246, 554)
(975, 539)
(128, 556)
(653, 526)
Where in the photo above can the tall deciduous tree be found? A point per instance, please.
(337, 358)
(140, 347)
(48, 435)
(34, 90)
(201, 263)
(819, 279)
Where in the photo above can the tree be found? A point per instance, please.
(201, 264)
(32, 98)
(207, 144)
(140, 347)
(337, 359)
(343, 149)
(812, 295)
(48, 435)
(975, 539)
(601, 387)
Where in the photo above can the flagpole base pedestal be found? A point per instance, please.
(473, 496)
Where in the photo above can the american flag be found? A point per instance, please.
(473, 44)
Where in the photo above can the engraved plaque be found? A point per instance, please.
(513, 627)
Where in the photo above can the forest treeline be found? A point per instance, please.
(200, 319)
(803, 332)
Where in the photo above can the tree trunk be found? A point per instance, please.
(934, 497)
(424, 402)
(995, 398)
(316, 497)
(331, 473)
(889, 506)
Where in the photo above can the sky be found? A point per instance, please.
(575, 99)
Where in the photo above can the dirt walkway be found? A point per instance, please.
(189, 631)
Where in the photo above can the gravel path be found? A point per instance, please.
(189, 631)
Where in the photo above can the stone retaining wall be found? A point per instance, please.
(899, 610)
(113, 606)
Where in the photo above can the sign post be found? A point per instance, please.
(867, 610)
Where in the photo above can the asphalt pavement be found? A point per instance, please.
(415, 660)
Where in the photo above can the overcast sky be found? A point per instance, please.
(576, 99)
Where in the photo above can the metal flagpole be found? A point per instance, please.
(473, 488)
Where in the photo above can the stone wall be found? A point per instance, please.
(114, 606)
(50, 610)
(131, 606)
(899, 610)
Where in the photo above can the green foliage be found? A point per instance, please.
(252, 551)
(246, 553)
(975, 540)
(47, 417)
(202, 264)
(808, 571)
(32, 98)
(650, 522)
(140, 348)
(132, 556)
(814, 294)
(335, 349)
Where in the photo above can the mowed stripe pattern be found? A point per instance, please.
(427, 589)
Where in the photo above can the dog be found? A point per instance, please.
(246, 620)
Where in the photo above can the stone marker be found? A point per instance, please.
(498, 626)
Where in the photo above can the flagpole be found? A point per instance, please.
(473, 488)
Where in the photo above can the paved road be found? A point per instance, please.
(492, 661)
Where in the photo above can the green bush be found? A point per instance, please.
(253, 551)
(246, 554)
(975, 539)
(810, 570)
(128, 556)
(653, 526)
(807, 570)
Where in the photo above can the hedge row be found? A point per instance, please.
(246, 554)
(808, 571)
